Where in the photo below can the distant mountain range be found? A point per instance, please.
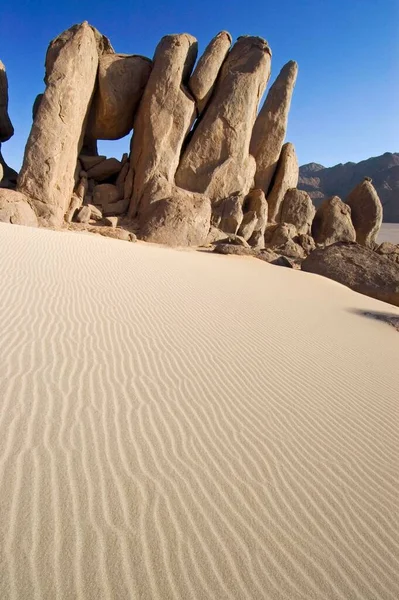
(322, 182)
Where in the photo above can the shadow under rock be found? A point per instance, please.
(389, 318)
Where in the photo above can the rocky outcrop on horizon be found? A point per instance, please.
(322, 182)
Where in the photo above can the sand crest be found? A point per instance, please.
(180, 425)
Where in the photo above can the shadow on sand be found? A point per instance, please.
(389, 318)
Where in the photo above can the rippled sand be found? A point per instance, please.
(180, 425)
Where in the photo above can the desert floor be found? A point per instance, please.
(181, 425)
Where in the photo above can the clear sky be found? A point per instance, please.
(346, 101)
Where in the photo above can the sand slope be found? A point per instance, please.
(179, 425)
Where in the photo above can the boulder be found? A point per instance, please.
(163, 119)
(332, 223)
(14, 208)
(88, 162)
(51, 153)
(95, 213)
(286, 177)
(247, 226)
(9, 178)
(216, 161)
(255, 201)
(111, 221)
(214, 235)
(6, 128)
(366, 212)
(104, 169)
(84, 215)
(105, 194)
(74, 206)
(271, 126)
(174, 216)
(280, 234)
(306, 242)
(202, 81)
(389, 250)
(236, 240)
(357, 267)
(233, 249)
(227, 214)
(121, 80)
(297, 208)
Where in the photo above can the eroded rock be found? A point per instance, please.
(366, 212)
(332, 223)
(286, 177)
(15, 208)
(298, 209)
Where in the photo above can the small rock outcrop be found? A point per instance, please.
(357, 267)
(332, 223)
(285, 177)
(297, 208)
(47, 175)
(366, 212)
(14, 208)
(216, 161)
(271, 126)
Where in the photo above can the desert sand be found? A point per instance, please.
(181, 425)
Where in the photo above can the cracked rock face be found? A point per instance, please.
(47, 174)
(216, 161)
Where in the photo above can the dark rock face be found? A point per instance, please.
(321, 182)
(357, 267)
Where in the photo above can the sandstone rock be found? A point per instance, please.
(120, 180)
(281, 234)
(256, 201)
(214, 235)
(306, 242)
(88, 162)
(47, 174)
(357, 267)
(111, 221)
(14, 208)
(387, 248)
(366, 212)
(217, 160)
(236, 240)
(74, 206)
(104, 169)
(128, 183)
(6, 128)
(247, 226)
(286, 177)
(232, 249)
(273, 258)
(271, 126)
(297, 208)
(121, 81)
(332, 223)
(163, 119)
(203, 79)
(116, 208)
(227, 214)
(36, 104)
(84, 215)
(105, 194)
(95, 213)
(9, 179)
(175, 217)
(290, 249)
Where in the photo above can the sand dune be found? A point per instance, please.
(179, 425)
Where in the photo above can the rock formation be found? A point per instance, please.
(366, 212)
(121, 81)
(298, 209)
(357, 267)
(271, 126)
(216, 161)
(332, 223)
(285, 178)
(6, 128)
(47, 175)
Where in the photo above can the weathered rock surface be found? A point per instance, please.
(247, 226)
(121, 81)
(227, 214)
(233, 249)
(88, 162)
(236, 240)
(217, 160)
(14, 208)
(6, 128)
(332, 223)
(366, 212)
(203, 79)
(256, 202)
(104, 169)
(9, 178)
(271, 126)
(107, 196)
(47, 174)
(297, 208)
(84, 215)
(175, 217)
(357, 267)
(163, 119)
(389, 250)
(286, 177)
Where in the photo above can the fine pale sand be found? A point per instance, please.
(181, 425)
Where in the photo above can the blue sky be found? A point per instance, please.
(346, 102)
